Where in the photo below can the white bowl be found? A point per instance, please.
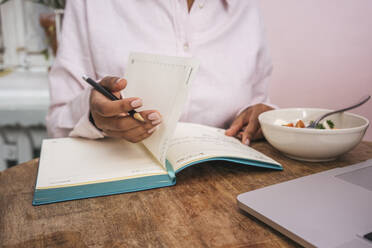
(312, 144)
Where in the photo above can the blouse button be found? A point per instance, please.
(186, 46)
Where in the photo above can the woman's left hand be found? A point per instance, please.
(246, 126)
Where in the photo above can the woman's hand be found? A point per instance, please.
(112, 116)
(246, 126)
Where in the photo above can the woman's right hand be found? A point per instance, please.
(112, 116)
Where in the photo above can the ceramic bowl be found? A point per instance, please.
(308, 144)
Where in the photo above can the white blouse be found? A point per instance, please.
(97, 36)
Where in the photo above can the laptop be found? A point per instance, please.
(327, 209)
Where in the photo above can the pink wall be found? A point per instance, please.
(322, 53)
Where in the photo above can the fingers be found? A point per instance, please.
(104, 107)
(125, 123)
(128, 128)
(152, 116)
(246, 127)
(258, 135)
(134, 135)
(112, 116)
(235, 127)
(113, 84)
(250, 130)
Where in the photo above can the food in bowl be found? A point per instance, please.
(309, 144)
(328, 124)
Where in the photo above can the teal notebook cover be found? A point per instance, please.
(75, 168)
(66, 192)
(52, 195)
(60, 194)
(238, 161)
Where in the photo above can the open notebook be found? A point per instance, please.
(75, 168)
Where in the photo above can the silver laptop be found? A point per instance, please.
(327, 209)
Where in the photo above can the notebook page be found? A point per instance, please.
(162, 82)
(192, 142)
(76, 161)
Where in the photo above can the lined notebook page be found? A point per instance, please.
(162, 82)
(77, 161)
(192, 142)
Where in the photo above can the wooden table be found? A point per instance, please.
(200, 211)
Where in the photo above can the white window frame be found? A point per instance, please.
(14, 39)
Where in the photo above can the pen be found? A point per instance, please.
(111, 96)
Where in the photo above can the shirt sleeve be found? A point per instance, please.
(263, 69)
(260, 87)
(68, 113)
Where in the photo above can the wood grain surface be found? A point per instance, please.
(200, 211)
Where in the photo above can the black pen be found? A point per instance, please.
(111, 96)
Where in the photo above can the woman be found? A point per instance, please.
(226, 36)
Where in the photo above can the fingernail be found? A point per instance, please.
(136, 103)
(156, 122)
(246, 142)
(153, 116)
(152, 130)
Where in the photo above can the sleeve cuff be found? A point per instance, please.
(84, 128)
(267, 104)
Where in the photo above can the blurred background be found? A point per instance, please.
(321, 51)
(28, 37)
